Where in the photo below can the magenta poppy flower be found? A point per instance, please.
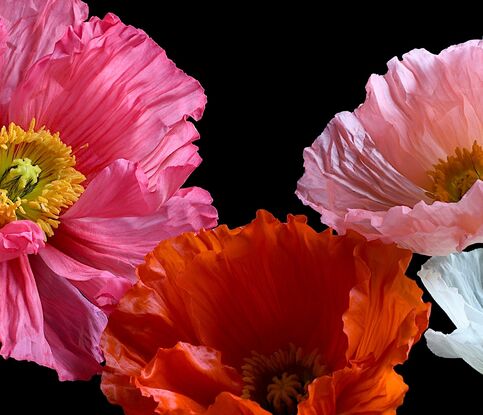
(94, 149)
(406, 166)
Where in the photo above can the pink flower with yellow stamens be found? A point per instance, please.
(94, 149)
(406, 166)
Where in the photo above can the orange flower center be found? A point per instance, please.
(455, 176)
(278, 382)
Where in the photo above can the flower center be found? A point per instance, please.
(455, 176)
(279, 382)
(37, 176)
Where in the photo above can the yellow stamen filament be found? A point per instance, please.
(7, 208)
(37, 176)
(455, 176)
(278, 382)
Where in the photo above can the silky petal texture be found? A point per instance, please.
(355, 390)
(101, 288)
(112, 93)
(19, 238)
(226, 403)
(386, 315)
(22, 333)
(426, 106)
(205, 301)
(32, 29)
(344, 168)
(121, 180)
(113, 236)
(456, 284)
(185, 368)
(368, 169)
(466, 344)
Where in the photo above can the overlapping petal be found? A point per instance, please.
(20, 238)
(32, 28)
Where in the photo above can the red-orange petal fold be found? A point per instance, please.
(228, 404)
(356, 390)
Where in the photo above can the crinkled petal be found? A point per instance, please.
(22, 334)
(466, 344)
(72, 325)
(456, 284)
(436, 229)
(226, 403)
(178, 371)
(21, 237)
(118, 244)
(32, 28)
(100, 287)
(386, 314)
(344, 170)
(119, 190)
(112, 93)
(425, 106)
(174, 158)
(355, 390)
(120, 391)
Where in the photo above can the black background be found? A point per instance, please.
(273, 78)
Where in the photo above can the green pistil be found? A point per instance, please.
(20, 178)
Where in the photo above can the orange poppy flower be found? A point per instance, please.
(269, 318)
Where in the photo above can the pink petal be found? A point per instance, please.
(111, 87)
(33, 27)
(436, 229)
(18, 238)
(21, 324)
(118, 244)
(425, 106)
(344, 169)
(119, 190)
(175, 153)
(71, 323)
(100, 287)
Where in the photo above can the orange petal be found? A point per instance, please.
(356, 390)
(195, 371)
(120, 391)
(386, 315)
(228, 404)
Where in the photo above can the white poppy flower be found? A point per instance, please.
(456, 284)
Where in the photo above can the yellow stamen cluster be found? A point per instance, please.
(37, 176)
(7, 208)
(455, 176)
(278, 382)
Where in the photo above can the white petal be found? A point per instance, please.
(462, 343)
(455, 282)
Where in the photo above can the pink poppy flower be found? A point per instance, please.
(405, 166)
(94, 148)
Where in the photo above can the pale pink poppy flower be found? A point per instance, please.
(405, 166)
(79, 209)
